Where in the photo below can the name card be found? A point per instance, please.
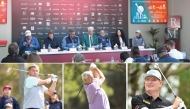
(72, 49)
(141, 47)
(91, 49)
(107, 48)
(44, 50)
(124, 48)
(54, 50)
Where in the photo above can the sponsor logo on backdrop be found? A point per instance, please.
(24, 3)
(25, 8)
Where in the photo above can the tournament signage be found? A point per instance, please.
(39, 16)
(149, 11)
(3, 11)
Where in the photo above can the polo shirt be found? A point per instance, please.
(147, 102)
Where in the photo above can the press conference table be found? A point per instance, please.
(90, 56)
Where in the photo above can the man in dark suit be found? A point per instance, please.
(90, 39)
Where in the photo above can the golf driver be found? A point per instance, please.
(76, 97)
(9, 69)
(181, 105)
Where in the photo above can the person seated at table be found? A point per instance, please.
(164, 56)
(172, 51)
(138, 40)
(105, 40)
(28, 43)
(135, 54)
(119, 39)
(89, 40)
(70, 41)
(125, 58)
(53, 41)
(78, 58)
(13, 56)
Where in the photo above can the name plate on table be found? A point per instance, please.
(107, 48)
(141, 47)
(72, 49)
(44, 50)
(54, 50)
(124, 48)
(91, 49)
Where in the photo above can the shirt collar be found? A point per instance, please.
(145, 95)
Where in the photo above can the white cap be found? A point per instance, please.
(28, 33)
(9, 104)
(154, 73)
(138, 31)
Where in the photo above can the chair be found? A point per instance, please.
(184, 55)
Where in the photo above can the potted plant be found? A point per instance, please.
(155, 40)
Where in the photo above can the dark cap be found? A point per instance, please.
(55, 92)
(50, 32)
(6, 86)
(46, 102)
(161, 49)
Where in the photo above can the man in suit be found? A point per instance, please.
(90, 39)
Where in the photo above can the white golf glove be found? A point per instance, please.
(92, 65)
(54, 78)
(182, 106)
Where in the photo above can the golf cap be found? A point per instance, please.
(138, 31)
(7, 86)
(154, 73)
(161, 49)
(28, 33)
(55, 92)
(8, 105)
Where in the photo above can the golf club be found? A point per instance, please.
(76, 97)
(181, 105)
(9, 69)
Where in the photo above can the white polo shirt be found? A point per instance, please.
(176, 54)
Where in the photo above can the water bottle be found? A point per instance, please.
(44, 46)
(143, 44)
(112, 59)
(123, 44)
(100, 46)
(84, 46)
(49, 48)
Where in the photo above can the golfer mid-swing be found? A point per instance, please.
(96, 96)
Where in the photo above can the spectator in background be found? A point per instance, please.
(89, 40)
(7, 98)
(33, 58)
(164, 56)
(70, 41)
(13, 56)
(8, 106)
(53, 41)
(54, 102)
(174, 52)
(138, 40)
(46, 104)
(78, 58)
(105, 40)
(135, 54)
(119, 39)
(28, 43)
(125, 58)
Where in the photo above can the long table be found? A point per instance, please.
(90, 56)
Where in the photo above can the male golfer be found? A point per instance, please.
(152, 99)
(34, 88)
(96, 96)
